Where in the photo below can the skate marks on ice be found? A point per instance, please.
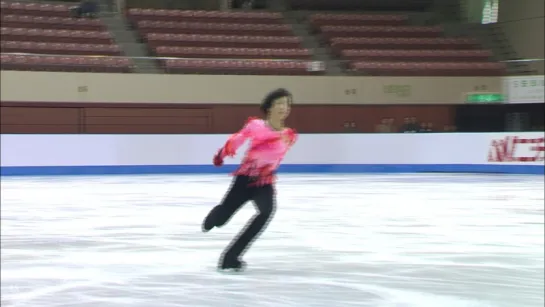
(382, 240)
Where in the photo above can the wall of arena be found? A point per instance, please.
(45, 102)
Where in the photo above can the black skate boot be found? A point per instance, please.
(210, 220)
(232, 265)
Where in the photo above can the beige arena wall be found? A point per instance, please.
(196, 89)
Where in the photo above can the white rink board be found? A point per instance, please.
(84, 150)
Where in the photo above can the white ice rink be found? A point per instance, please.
(336, 241)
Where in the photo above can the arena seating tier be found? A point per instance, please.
(416, 55)
(262, 67)
(46, 37)
(55, 36)
(385, 45)
(135, 15)
(59, 48)
(380, 31)
(323, 19)
(238, 53)
(223, 42)
(51, 22)
(65, 63)
(359, 5)
(41, 36)
(35, 9)
(428, 68)
(209, 28)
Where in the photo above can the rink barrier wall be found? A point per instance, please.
(49, 155)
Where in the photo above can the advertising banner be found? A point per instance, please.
(525, 89)
(522, 148)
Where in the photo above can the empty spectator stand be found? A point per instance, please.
(385, 45)
(223, 42)
(41, 36)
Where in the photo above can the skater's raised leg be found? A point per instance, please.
(237, 196)
(264, 199)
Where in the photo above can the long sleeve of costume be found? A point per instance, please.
(237, 139)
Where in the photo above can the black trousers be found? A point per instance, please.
(236, 197)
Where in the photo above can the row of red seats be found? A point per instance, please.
(36, 9)
(340, 43)
(52, 22)
(136, 14)
(149, 26)
(252, 53)
(417, 55)
(261, 67)
(428, 68)
(59, 48)
(358, 19)
(227, 41)
(233, 53)
(65, 63)
(191, 52)
(59, 36)
(118, 64)
(381, 31)
(108, 64)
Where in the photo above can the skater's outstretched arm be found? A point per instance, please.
(236, 140)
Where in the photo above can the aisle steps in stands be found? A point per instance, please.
(312, 42)
(129, 41)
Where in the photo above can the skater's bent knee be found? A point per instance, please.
(265, 214)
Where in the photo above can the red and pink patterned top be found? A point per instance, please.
(267, 149)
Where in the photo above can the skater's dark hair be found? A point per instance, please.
(272, 97)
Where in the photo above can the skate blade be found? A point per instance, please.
(231, 271)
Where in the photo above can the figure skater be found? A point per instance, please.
(255, 178)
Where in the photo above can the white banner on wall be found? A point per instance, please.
(525, 89)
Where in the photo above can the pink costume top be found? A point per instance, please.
(267, 149)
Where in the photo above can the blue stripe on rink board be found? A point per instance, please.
(289, 168)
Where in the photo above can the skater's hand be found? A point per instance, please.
(218, 159)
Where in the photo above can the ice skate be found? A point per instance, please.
(232, 266)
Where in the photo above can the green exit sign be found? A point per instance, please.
(485, 98)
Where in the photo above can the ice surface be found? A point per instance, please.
(336, 241)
